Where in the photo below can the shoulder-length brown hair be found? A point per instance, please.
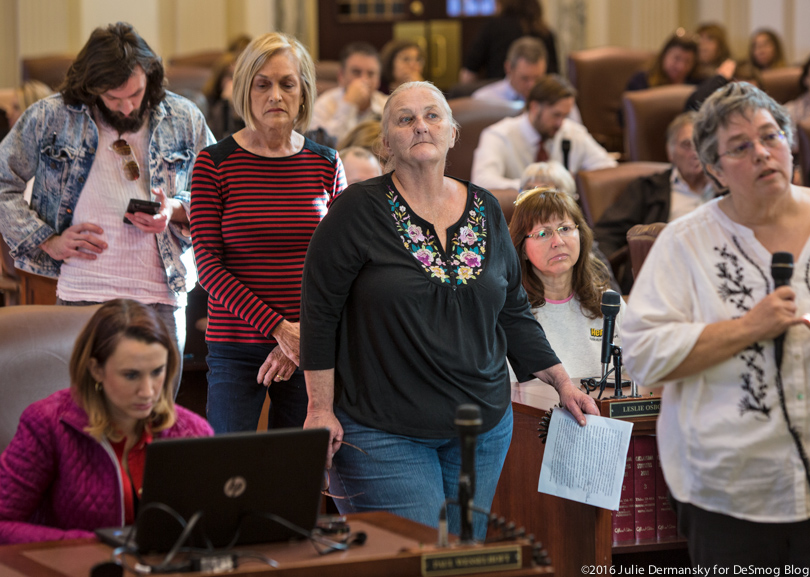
(107, 61)
(117, 319)
(590, 277)
(656, 76)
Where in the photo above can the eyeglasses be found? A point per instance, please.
(545, 234)
(129, 164)
(770, 140)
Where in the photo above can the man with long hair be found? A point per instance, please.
(112, 134)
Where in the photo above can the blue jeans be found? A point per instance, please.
(235, 399)
(174, 317)
(411, 476)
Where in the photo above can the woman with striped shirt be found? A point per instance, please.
(256, 198)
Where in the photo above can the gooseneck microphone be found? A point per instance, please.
(566, 150)
(468, 425)
(781, 271)
(611, 303)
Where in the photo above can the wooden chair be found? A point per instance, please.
(204, 59)
(10, 283)
(600, 76)
(647, 113)
(598, 189)
(640, 239)
(35, 347)
(473, 116)
(782, 84)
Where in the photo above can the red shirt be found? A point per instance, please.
(136, 458)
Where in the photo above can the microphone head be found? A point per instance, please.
(781, 268)
(611, 302)
(468, 418)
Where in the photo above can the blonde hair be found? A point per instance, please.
(30, 92)
(117, 319)
(256, 55)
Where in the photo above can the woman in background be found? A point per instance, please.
(799, 109)
(765, 50)
(676, 63)
(402, 61)
(563, 280)
(23, 97)
(256, 197)
(713, 49)
(76, 462)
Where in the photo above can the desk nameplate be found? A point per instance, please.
(630, 407)
(469, 561)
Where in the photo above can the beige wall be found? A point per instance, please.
(37, 27)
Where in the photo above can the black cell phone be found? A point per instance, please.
(138, 205)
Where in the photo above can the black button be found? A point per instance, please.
(91, 150)
(81, 179)
(53, 164)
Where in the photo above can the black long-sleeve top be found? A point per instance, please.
(413, 331)
(492, 45)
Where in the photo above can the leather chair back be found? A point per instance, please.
(600, 76)
(782, 84)
(647, 113)
(598, 189)
(35, 347)
(205, 59)
(326, 75)
(473, 116)
(50, 69)
(640, 239)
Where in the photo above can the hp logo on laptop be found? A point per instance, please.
(234, 487)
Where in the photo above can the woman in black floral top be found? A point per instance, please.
(411, 302)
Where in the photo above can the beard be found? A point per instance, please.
(118, 121)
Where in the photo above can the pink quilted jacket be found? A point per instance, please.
(57, 482)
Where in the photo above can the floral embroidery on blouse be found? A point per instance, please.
(467, 249)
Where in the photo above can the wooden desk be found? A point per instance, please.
(575, 534)
(393, 549)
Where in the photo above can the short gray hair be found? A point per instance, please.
(551, 174)
(733, 98)
(386, 115)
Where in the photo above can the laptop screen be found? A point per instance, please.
(236, 481)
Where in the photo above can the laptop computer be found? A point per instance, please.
(235, 480)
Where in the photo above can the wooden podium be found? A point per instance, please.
(395, 547)
(575, 534)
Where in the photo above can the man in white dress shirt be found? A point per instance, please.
(543, 132)
(356, 97)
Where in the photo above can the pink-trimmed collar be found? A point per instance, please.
(562, 302)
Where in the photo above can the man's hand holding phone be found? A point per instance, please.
(148, 216)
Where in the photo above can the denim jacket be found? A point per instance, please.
(55, 143)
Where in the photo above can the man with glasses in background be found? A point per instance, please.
(660, 197)
(110, 136)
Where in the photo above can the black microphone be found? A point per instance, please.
(468, 425)
(611, 303)
(781, 271)
(566, 150)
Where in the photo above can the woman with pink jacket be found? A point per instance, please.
(76, 461)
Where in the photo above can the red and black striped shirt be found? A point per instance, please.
(251, 221)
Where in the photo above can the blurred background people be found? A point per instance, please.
(728, 71)
(402, 61)
(799, 109)
(256, 197)
(713, 48)
(23, 97)
(359, 164)
(660, 197)
(550, 174)
(765, 50)
(563, 280)
(357, 96)
(76, 461)
(218, 91)
(392, 252)
(525, 64)
(368, 135)
(676, 63)
(514, 18)
(703, 320)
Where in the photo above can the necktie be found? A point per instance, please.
(542, 155)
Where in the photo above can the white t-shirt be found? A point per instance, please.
(130, 267)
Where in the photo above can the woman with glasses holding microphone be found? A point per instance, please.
(563, 279)
(705, 320)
